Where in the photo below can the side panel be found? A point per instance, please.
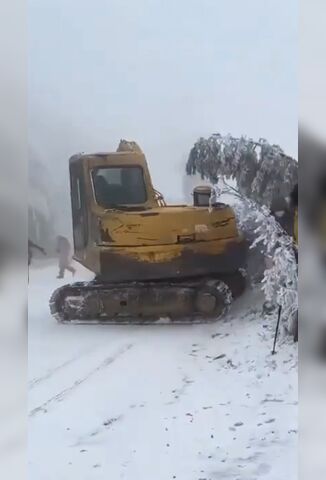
(172, 261)
(167, 226)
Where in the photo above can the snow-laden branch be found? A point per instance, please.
(261, 171)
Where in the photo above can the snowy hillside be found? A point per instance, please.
(162, 402)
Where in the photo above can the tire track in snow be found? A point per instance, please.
(36, 381)
(59, 397)
(106, 425)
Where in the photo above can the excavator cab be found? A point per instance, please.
(154, 257)
(104, 187)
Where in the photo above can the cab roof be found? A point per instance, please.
(122, 157)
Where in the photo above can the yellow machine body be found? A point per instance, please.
(151, 261)
(147, 240)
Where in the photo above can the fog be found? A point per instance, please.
(162, 73)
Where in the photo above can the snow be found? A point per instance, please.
(13, 371)
(159, 402)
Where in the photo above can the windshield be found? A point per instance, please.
(115, 186)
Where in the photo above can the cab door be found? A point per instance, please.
(79, 207)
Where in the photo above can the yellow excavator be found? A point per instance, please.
(152, 262)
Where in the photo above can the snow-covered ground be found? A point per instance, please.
(160, 402)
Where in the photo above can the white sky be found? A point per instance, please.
(162, 73)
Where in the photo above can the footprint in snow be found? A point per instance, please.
(219, 357)
(141, 405)
(231, 364)
(110, 421)
(271, 420)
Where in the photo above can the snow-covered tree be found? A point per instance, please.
(260, 172)
(280, 277)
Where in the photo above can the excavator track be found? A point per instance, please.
(178, 302)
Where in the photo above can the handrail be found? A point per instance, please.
(159, 197)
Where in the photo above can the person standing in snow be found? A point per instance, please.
(63, 249)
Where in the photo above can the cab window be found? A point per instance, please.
(114, 186)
